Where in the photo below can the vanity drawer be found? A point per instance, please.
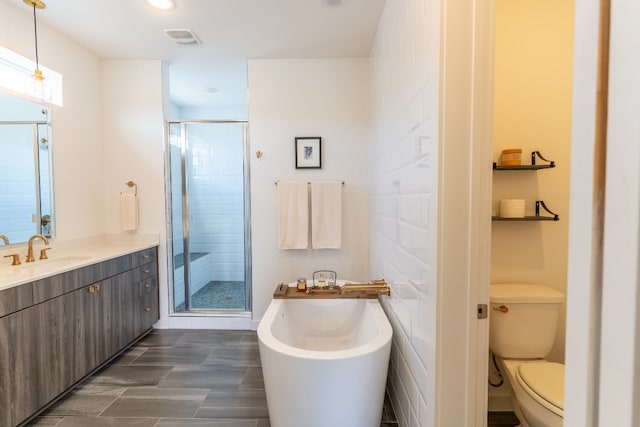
(145, 271)
(147, 286)
(144, 257)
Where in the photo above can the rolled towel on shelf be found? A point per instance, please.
(129, 211)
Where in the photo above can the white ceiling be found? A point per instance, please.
(231, 31)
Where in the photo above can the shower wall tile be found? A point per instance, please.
(216, 202)
(403, 195)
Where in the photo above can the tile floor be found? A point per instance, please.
(502, 419)
(175, 378)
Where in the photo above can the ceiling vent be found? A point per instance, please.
(182, 36)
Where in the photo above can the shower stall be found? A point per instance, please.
(209, 223)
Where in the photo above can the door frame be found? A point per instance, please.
(464, 211)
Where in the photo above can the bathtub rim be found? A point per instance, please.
(382, 338)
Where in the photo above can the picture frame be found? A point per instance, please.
(308, 151)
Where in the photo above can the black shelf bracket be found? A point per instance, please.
(540, 203)
(552, 164)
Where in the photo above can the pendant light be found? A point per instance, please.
(39, 89)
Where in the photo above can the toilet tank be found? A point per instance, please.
(523, 320)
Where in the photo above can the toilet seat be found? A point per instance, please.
(544, 382)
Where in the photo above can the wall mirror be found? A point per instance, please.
(26, 174)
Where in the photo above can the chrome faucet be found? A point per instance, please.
(5, 239)
(30, 257)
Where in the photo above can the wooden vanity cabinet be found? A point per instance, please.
(79, 322)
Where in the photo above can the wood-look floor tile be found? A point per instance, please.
(172, 356)
(236, 398)
(161, 338)
(157, 402)
(253, 379)
(502, 419)
(131, 376)
(187, 422)
(232, 413)
(107, 422)
(242, 355)
(129, 356)
(204, 377)
(81, 404)
(210, 338)
(46, 421)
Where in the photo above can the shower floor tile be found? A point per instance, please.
(218, 295)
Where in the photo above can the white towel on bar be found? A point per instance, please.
(129, 211)
(293, 215)
(326, 215)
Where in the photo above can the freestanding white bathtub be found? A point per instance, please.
(324, 361)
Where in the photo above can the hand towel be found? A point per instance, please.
(129, 211)
(293, 215)
(326, 215)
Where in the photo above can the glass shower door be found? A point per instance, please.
(209, 216)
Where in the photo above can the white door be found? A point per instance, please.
(603, 337)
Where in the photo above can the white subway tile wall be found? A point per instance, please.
(216, 203)
(215, 198)
(404, 165)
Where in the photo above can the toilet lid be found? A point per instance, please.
(546, 380)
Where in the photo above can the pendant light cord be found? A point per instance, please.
(35, 31)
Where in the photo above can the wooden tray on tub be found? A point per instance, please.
(352, 290)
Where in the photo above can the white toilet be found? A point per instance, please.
(521, 333)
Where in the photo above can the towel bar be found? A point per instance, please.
(308, 182)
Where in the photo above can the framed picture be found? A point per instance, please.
(309, 152)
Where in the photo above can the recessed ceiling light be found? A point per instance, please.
(162, 4)
(331, 2)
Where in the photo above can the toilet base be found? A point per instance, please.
(529, 412)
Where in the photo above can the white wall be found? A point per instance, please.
(533, 87)
(77, 125)
(288, 98)
(134, 150)
(403, 195)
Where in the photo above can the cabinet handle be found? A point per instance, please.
(145, 256)
(92, 289)
(97, 288)
(147, 309)
(145, 271)
(146, 285)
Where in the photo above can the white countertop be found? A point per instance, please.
(67, 257)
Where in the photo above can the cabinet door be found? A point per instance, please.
(55, 349)
(5, 370)
(18, 398)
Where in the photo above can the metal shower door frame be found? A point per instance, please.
(185, 214)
